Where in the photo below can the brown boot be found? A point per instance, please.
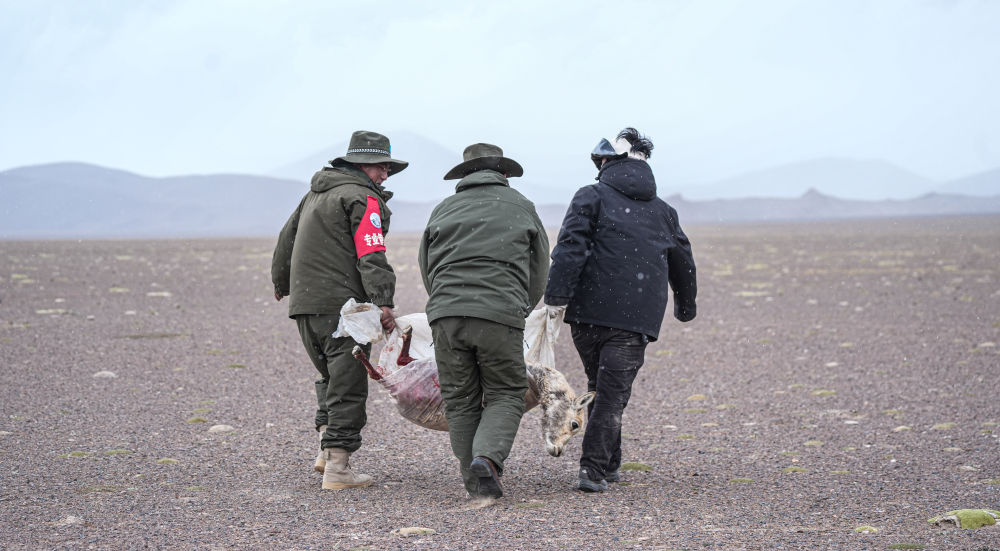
(320, 463)
(338, 475)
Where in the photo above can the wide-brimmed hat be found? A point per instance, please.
(371, 148)
(479, 156)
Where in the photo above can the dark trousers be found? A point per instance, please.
(342, 390)
(611, 359)
(483, 380)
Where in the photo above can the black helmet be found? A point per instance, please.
(603, 150)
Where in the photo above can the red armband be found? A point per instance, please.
(368, 238)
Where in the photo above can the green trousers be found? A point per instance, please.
(342, 389)
(483, 381)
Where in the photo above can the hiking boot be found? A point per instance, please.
(320, 463)
(585, 484)
(613, 476)
(489, 477)
(337, 473)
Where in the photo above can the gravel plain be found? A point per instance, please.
(839, 375)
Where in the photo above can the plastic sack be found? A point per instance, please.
(413, 386)
(362, 321)
(540, 335)
(411, 377)
(417, 393)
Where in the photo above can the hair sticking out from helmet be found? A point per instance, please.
(642, 147)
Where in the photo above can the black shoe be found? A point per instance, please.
(612, 476)
(585, 484)
(489, 478)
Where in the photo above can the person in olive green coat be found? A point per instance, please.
(484, 258)
(333, 249)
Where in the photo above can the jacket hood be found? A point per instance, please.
(331, 177)
(632, 177)
(482, 178)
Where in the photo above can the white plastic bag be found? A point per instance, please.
(413, 382)
(360, 321)
(540, 335)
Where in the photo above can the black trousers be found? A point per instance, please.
(611, 359)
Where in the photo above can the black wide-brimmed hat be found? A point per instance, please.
(479, 156)
(371, 148)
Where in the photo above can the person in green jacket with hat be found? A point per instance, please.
(333, 249)
(484, 258)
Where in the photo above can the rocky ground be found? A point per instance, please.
(839, 375)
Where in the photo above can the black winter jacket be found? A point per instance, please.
(618, 247)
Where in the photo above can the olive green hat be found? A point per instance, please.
(480, 156)
(370, 148)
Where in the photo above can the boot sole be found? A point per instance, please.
(488, 486)
(319, 466)
(591, 486)
(344, 485)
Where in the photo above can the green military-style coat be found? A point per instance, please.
(484, 253)
(332, 247)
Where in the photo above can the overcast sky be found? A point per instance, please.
(722, 87)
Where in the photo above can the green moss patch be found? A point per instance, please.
(236, 366)
(823, 392)
(790, 470)
(907, 546)
(866, 529)
(197, 420)
(634, 466)
(167, 461)
(77, 454)
(741, 480)
(118, 452)
(967, 518)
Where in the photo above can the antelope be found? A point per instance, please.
(563, 412)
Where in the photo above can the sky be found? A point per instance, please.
(722, 87)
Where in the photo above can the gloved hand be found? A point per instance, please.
(554, 312)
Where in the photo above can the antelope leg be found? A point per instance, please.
(404, 353)
(363, 358)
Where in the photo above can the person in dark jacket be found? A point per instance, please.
(333, 249)
(618, 248)
(483, 257)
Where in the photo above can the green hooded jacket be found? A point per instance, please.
(484, 253)
(316, 261)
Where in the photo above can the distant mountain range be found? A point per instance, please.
(845, 178)
(77, 200)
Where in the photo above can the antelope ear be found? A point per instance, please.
(585, 399)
